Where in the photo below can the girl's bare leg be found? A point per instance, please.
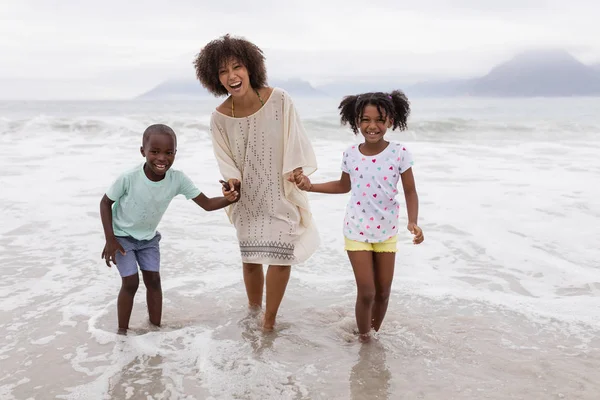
(362, 264)
(384, 274)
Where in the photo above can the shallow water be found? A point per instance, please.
(500, 302)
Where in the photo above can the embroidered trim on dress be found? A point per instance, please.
(273, 249)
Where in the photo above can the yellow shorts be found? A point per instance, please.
(389, 246)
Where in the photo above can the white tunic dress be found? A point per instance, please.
(273, 220)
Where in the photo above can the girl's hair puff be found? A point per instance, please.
(394, 105)
(219, 51)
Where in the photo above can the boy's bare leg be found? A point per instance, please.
(129, 285)
(384, 274)
(153, 296)
(277, 280)
(254, 279)
(362, 265)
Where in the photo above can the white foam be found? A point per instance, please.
(510, 217)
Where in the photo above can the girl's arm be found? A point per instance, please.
(411, 196)
(412, 205)
(334, 187)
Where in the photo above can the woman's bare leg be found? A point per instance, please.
(254, 279)
(277, 280)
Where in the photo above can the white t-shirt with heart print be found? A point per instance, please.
(372, 212)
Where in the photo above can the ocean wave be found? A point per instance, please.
(463, 127)
(98, 126)
(324, 127)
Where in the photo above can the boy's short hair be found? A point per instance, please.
(219, 51)
(158, 129)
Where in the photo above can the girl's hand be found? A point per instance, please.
(418, 232)
(304, 183)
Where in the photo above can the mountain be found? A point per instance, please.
(177, 89)
(539, 73)
(440, 89)
(387, 84)
(344, 88)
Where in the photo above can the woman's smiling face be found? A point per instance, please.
(234, 76)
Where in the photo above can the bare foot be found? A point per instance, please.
(254, 308)
(122, 331)
(364, 337)
(268, 322)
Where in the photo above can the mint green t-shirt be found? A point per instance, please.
(140, 203)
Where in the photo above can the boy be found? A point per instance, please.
(140, 197)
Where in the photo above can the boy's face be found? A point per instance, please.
(159, 151)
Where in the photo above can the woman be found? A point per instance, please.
(259, 142)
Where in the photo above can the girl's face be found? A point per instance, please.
(234, 77)
(373, 125)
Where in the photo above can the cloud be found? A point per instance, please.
(131, 45)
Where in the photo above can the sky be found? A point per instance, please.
(67, 49)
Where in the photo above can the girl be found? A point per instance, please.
(372, 171)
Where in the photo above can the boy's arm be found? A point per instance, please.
(212, 203)
(333, 187)
(230, 196)
(190, 191)
(112, 245)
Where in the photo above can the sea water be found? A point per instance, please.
(501, 301)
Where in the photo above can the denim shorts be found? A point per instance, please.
(144, 253)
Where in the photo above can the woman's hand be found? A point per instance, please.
(418, 232)
(296, 175)
(231, 191)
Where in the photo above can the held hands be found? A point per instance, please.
(418, 232)
(110, 250)
(304, 183)
(231, 190)
(300, 179)
(296, 175)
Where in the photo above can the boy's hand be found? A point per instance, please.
(110, 250)
(233, 194)
(304, 183)
(418, 232)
